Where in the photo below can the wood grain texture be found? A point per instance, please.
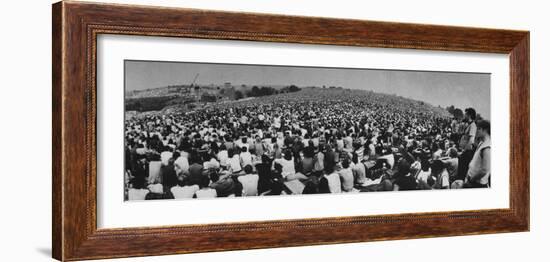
(75, 29)
(519, 129)
(57, 195)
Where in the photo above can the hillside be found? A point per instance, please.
(155, 99)
(338, 96)
(193, 101)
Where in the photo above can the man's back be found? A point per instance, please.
(250, 184)
(182, 192)
(346, 178)
(195, 173)
(246, 158)
(334, 183)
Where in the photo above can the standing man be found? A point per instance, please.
(479, 170)
(467, 142)
(468, 136)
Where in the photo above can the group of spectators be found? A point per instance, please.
(304, 143)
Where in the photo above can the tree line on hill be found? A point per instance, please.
(266, 91)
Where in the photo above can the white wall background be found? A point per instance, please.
(25, 129)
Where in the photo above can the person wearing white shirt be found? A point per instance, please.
(339, 144)
(137, 194)
(315, 141)
(479, 170)
(287, 162)
(205, 191)
(181, 165)
(211, 164)
(183, 191)
(333, 181)
(138, 191)
(234, 162)
(390, 159)
(222, 156)
(246, 157)
(243, 142)
(156, 188)
(348, 143)
(360, 151)
(165, 157)
(277, 122)
(249, 182)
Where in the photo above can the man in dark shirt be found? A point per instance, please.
(169, 177)
(264, 173)
(224, 186)
(330, 157)
(403, 178)
(141, 168)
(195, 173)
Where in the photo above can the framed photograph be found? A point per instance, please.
(193, 131)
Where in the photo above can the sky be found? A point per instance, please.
(437, 88)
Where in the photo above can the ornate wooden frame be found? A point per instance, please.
(76, 26)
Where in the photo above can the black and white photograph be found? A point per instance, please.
(210, 130)
(275, 131)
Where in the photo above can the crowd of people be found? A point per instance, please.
(304, 143)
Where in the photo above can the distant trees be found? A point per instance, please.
(290, 89)
(144, 104)
(267, 90)
(238, 95)
(255, 91)
(293, 88)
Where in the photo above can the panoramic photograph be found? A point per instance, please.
(211, 130)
